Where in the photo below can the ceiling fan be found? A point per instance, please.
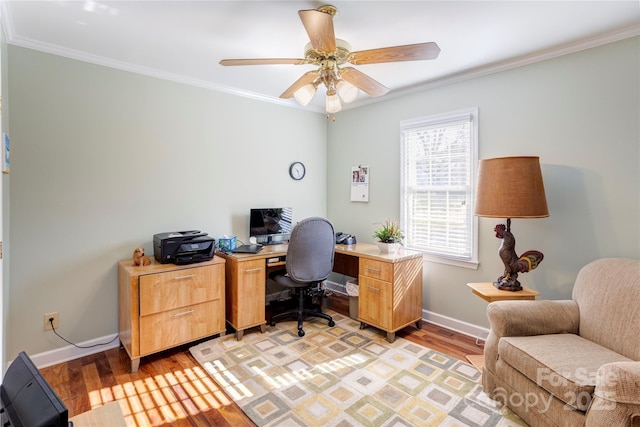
(329, 54)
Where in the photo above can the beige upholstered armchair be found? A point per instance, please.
(572, 362)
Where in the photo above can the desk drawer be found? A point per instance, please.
(376, 269)
(376, 302)
(180, 288)
(170, 328)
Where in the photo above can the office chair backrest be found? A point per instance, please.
(311, 250)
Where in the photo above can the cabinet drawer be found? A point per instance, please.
(376, 269)
(180, 288)
(376, 302)
(170, 328)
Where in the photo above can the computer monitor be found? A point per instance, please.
(270, 226)
(27, 398)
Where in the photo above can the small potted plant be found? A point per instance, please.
(389, 236)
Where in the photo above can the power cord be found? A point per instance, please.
(76, 345)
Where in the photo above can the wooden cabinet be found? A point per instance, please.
(165, 305)
(390, 293)
(245, 290)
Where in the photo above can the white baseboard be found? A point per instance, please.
(64, 354)
(475, 331)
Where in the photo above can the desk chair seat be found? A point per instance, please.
(309, 263)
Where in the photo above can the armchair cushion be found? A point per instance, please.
(571, 378)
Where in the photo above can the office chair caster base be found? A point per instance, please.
(300, 333)
(332, 323)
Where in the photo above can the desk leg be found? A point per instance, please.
(391, 336)
(135, 365)
(240, 333)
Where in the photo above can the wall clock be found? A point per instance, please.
(297, 170)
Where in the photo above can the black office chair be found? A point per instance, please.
(309, 262)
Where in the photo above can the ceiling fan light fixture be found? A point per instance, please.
(305, 94)
(329, 53)
(333, 103)
(347, 91)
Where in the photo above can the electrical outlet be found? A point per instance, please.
(47, 323)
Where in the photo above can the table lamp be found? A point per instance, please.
(511, 187)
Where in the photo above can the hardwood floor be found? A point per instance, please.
(170, 388)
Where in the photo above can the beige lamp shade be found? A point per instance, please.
(510, 187)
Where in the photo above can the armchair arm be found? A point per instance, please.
(619, 382)
(523, 318)
(616, 400)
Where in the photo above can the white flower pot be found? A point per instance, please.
(387, 248)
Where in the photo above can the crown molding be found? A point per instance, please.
(511, 63)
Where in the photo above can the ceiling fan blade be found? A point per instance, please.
(363, 82)
(410, 52)
(306, 78)
(319, 26)
(264, 61)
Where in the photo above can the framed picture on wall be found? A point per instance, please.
(5, 154)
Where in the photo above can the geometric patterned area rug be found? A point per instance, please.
(346, 376)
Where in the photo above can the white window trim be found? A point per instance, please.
(416, 122)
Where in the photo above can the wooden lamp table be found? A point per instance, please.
(490, 293)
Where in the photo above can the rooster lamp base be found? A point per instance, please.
(513, 264)
(509, 284)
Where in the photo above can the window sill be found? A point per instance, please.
(472, 265)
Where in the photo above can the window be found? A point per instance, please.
(439, 158)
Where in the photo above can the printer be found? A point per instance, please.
(183, 247)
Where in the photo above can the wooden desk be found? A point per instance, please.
(165, 305)
(390, 285)
(490, 293)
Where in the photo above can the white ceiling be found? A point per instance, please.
(185, 40)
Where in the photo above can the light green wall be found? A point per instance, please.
(103, 159)
(5, 198)
(580, 113)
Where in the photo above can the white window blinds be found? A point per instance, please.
(437, 184)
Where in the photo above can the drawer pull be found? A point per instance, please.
(373, 289)
(373, 270)
(184, 277)
(253, 270)
(184, 313)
